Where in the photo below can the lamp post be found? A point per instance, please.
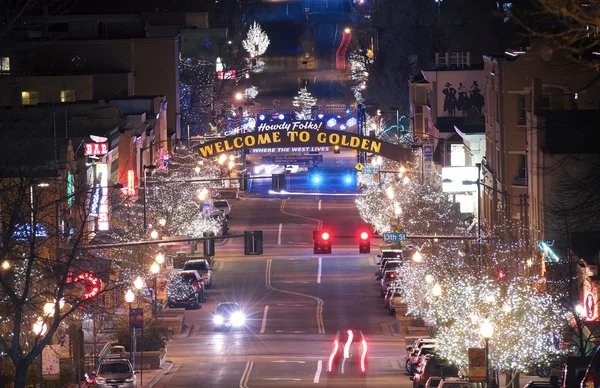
(154, 269)
(151, 167)
(487, 331)
(39, 329)
(417, 257)
(129, 298)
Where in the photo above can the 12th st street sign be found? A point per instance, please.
(394, 237)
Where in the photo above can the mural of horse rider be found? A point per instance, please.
(464, 103)
(476, 97)
(450, 100)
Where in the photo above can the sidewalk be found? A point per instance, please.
(148, 378)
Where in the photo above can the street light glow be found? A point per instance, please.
(389, 192)
(138, 283)
(160, 258)
(239, 96)
(40, 327)
(5, 265)
(203, 194)
(129, 296)
(437, 290)
(162, 222)
(417, 257)
(154, 234)
(154, 268)
(486, 329)
(347, 30)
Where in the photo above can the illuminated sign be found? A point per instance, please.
(229, 74)
(23, 232)
(291, 125)
(95, 149)
(91, 284)
(590, 306)
(279, 150)
(453, 179)
(70, 188)
(102, 176)
(130, 182)
(304, 138)
(95, 200)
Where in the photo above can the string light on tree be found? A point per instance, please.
(256, 42)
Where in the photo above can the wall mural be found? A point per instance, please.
(465, 100)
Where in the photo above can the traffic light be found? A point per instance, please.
(336, 149)
(321, 242)
(253, 242)
(364, 243)
(278, 182)
(209, 244)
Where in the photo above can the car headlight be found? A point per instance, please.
(129, 380)
(218, 319)
(237, 318)
(100, 380)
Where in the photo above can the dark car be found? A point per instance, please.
(228, 315)
(185, 288)
(348, 361)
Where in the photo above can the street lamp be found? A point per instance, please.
(436, 290)
(150, 167)
(5, 265)
(428, 279)
(154, 270)
(389, 192)
(160, 258)
(487, 331)
(154, 234)
(347, 30)
(417, 257)
(203, 194)
(239, 96)
(162, 222)
(397, 210)
(39, 329)
(138, 283)
(129, 298)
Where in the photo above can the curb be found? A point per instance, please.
(190, 331)
(161, 374)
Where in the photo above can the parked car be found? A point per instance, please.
(115, 373)
(228, 315)
(203, 267)
(387, 279)
(391, 264)
(433, 382)
(116, 351)
(417, 356)
(348, 360)
(224, 207)
(385, 255)
(454, 382)
(185, 288)
(395, 300)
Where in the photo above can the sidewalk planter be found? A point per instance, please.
(152, 360)
(174, 324)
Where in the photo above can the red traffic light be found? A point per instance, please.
(364, 236)
(325, 236)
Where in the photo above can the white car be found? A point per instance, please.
(224, 207)
(454, 382)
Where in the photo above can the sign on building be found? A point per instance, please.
(477, 365)
(95, 149)
(102, 176)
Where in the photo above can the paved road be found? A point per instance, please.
(295, 301)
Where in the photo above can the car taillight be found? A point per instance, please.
(589, 382)
(347, 345)
(364, 356)
(332, 355)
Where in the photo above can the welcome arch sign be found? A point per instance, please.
(302, 134)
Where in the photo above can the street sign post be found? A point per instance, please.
(370, 170)
(394, 236)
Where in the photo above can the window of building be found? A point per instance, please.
(521, 178)
(30, 97)
(4, 65)
(546, 102)
(78, 62)
(522, 110)
(68, 95)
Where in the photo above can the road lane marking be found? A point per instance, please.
(319, 271)
(279, 234)
(297, 362)
(246, 375)
(282, 210)
(292, 281)
(264, 320)
(320, 303)
(318, 372)
(290, 331)
(319, 204)
(280, 379)
(290, 304)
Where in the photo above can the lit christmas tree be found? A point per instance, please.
(304, 100)
(251, 92)
(256, 42)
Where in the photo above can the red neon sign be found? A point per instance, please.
(590, 306)
(130, 182)
(91, 283)
(95, 149)
(228, 74)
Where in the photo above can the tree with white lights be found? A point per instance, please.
(251, 92)
(304, 100)
(256, 42)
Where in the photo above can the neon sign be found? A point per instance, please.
(95, 149)
(590, 306)
(91, 283)
(102, 176)
(130, 182)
